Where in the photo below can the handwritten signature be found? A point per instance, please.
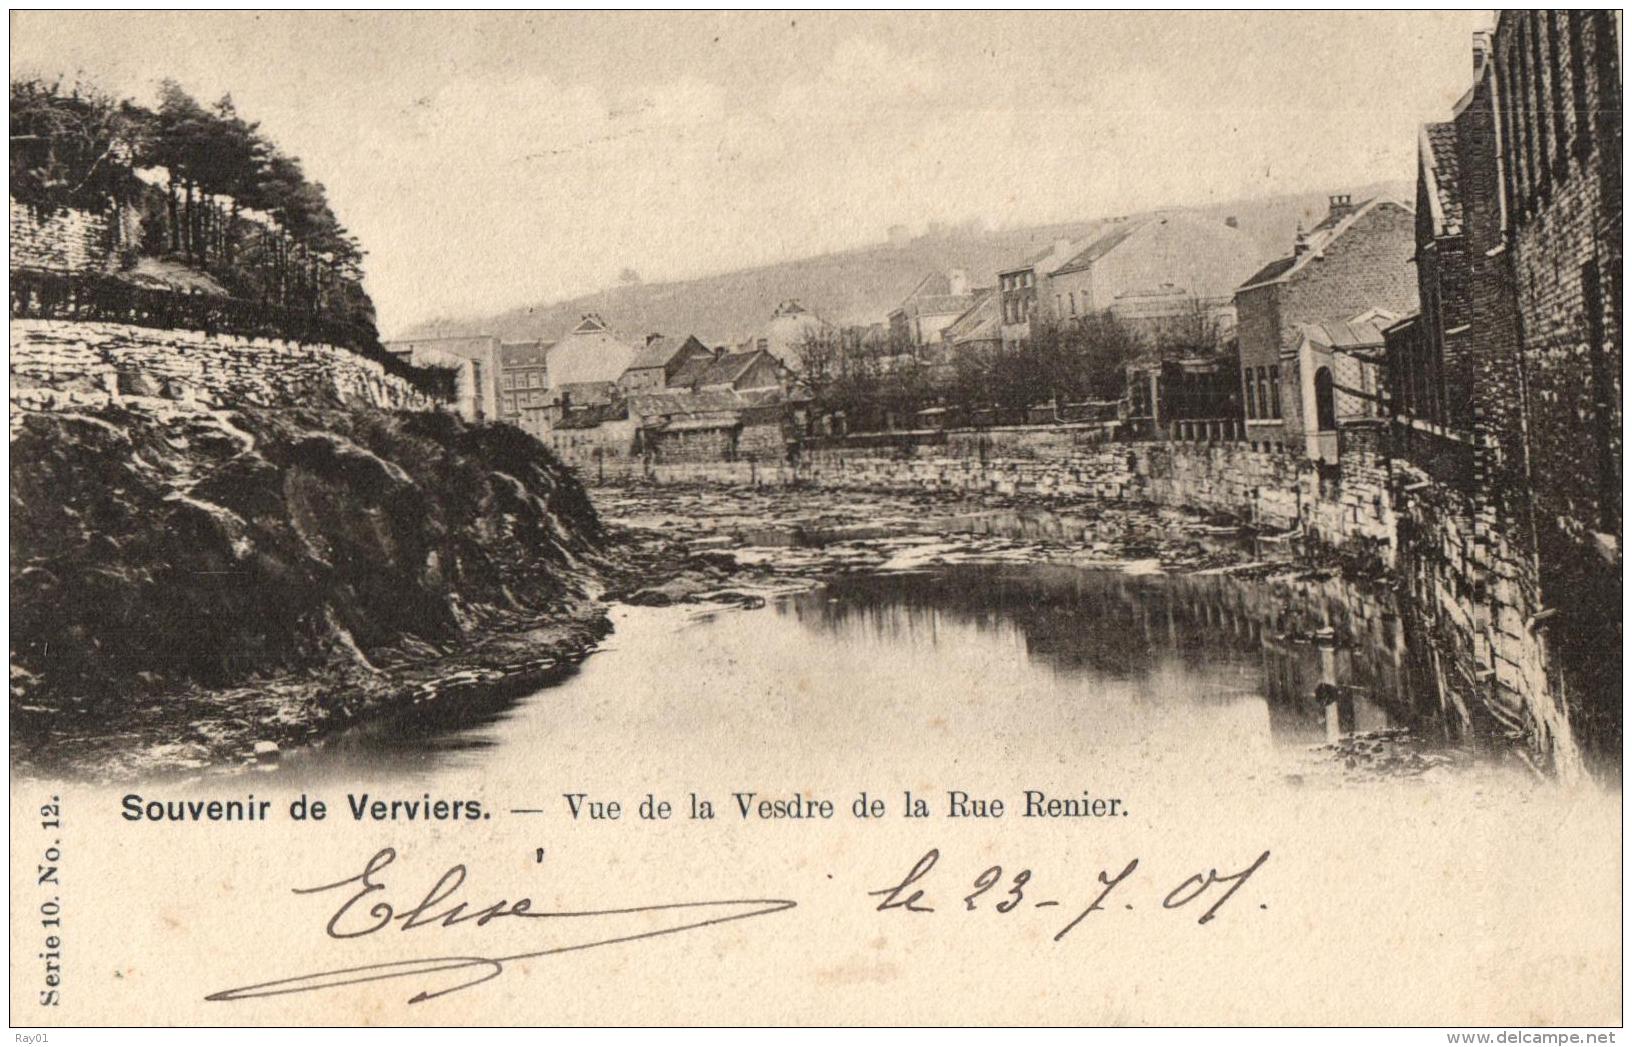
(439, 909)
(360, 914)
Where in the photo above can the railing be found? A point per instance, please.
(97, 297)
(1205, 430)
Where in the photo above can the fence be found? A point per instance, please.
(97, 297)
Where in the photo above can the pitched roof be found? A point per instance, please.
(660, 351)
(692, 370)
(1316, 240)
(1342, 334)
(1100, 247)
(981, 314)
(593, 415)
(1436, 150)
(1030, 261)
(1270, 271)
(523, 354)
(725, 370)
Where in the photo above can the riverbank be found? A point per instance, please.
(194, 587)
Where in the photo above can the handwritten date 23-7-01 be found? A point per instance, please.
(1006, 892)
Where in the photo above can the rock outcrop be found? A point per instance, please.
(158, 550)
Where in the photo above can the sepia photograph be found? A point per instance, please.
(810, 519)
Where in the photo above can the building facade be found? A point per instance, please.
(1559, 96)
(931, 306)
(524, 379)
(1355, 259)
(474, 359)
(1160, 274)
(1506, 410)
(661, 361)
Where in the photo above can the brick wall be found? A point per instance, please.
(1369, 265)
(59, 364)
(1565, 242)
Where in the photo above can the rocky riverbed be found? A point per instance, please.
(689, 544)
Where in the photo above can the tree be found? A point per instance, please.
(1194, 331)
(71, 147)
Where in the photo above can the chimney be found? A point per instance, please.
(1341, 205)
(1481, 49)
(958, 282)
(654, 336)
(1232, 222)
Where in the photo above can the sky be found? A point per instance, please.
(491, 160)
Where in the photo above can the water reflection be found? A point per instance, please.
(1324, 663)
(1008, 668)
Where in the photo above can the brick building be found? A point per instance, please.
(1355, 259)
(1507, 386)
(661, 361)
(1023, 290)
(524, 379)
(1558, 87)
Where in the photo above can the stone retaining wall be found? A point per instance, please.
(1348, 508)
(59, 364)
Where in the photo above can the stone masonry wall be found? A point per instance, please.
(59, 364)
(1271, 488)
(68, 241)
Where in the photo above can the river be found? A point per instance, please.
(1141, 676)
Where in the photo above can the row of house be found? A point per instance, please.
(595, 393)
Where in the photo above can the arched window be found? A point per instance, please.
(1325, 401)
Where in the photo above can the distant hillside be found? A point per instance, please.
(860, 285)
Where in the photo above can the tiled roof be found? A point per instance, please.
(1440, 168)
(523, 354)
(592, 416)
(1270, 271)
(980, 314)
(692, 371)
(728, 368)
(1098, 249)
(660, 351)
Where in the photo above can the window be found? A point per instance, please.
(1252, 397)
(509, 381)
(1263, 394)
(1275, 391)
(1073, 303)
(1538, 99)
(1561, 125)
(1059, 305)
(1577, 37)
(1511, 179)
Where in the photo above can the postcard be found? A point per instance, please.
(810, 519)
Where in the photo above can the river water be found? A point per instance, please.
(1057, 667)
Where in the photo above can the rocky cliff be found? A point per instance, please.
(202, 580)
